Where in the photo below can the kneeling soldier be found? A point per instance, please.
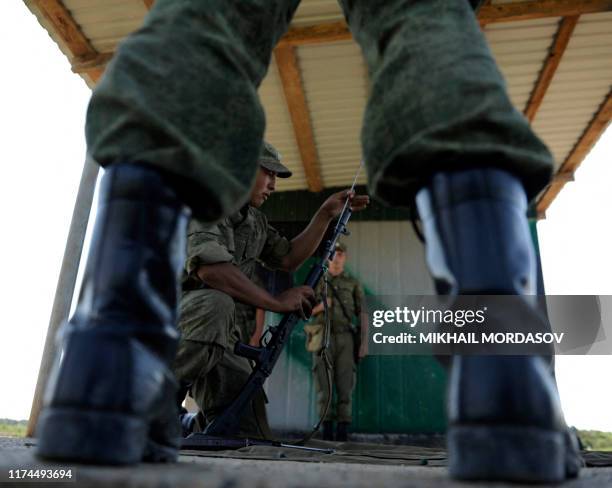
(219, 297)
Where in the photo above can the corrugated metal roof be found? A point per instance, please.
(335, 79)
(520, 48)
(582, 82)
(279, 130)
(106, 23)
(335, 82)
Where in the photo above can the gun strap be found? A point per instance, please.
(337, 297)
(326, 363)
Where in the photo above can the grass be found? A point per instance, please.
(595, 440)
(13, 428)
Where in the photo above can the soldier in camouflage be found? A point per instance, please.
(219, 299)
(345, 300)
(176, 120)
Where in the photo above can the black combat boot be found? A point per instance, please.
(328, 430)
(342, 431)
(505, 419)
(111, 400)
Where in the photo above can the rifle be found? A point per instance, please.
(266, 355)
(213, 443)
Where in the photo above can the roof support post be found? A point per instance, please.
(66, 283)
(555, 55)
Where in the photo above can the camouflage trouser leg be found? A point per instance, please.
(193, 363)
(343, 377)
(438, 100)
(181, 94)
(321, 387)
(245, 321)
(206, 361)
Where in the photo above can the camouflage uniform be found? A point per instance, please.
(210, 320)
(341, 345)
(181, 94)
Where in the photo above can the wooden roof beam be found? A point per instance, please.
(86, 64)
(557, 50)
(316, 34)
(289, 71)
(64, 24)
(540, 9)
(591, 135)
(483, 24)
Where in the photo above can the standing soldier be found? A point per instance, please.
(345, 301)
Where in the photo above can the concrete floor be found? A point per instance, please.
(212, 472)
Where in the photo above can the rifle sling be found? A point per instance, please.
(336, 296)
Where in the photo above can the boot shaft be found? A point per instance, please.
(131, 281)
(478, 238)
(342, 432)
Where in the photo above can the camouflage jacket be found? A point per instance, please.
(241, 239)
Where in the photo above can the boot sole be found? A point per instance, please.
(96, 437)
(506, 453)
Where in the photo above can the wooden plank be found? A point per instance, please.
(318, 33)
(63, 23)
(66, 283)
(65, 26)
(591, 135)
(293, 88)
(562, 38)
(564, 177)
(95, 74)
(483, 24)
(539, 9)
(85, 64)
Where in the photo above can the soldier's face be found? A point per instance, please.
(336, 265)
(265, 184)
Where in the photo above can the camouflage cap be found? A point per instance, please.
(340, 246)
(270, 159)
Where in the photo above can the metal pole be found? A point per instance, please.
(66, 282)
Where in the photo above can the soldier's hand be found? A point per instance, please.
(300, 299)
(334, 204)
